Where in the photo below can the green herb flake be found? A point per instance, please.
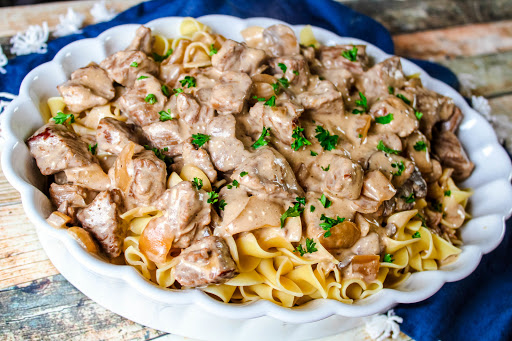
(403, 98)
(391, 90)
(242, 174)
(329, 223)
(188, 82)
(362, 102)
(326, 169)
(165, 90)
(350, 54)
(409, 199)
(282, 67)
(301, 200)
(325, 201)
(447, 193)
(420, 146)
(134, 64)
(159, 58)
(437, 206)
(382, 147)
(310, 247)
(312, 208)
(327, 141)
(213, 197)
(61, 118)
(292, 211)
(416, 235)
(384, 119)
(418, 114)
(200, 139)
(198, 183)
(177, 91)
(284, 82)
(165, 115)
(92, 148)
(259, 99)
(299, 139)
(295, 72)
(275, 87)
(260, 142)
(388, 258)
(222, 204)
(213, 50)
(160, 154)
(142, 77)
(400, 166)
(313, 153)
(271, 102)
(423, 220)
(151, 99)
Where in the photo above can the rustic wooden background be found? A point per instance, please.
(470, 37)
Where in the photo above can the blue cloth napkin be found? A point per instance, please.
(476, 308)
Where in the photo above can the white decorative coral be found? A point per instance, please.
(3, 61)
(501, 123)
(382, 326)
(33, 40)
(100, 13)
(468, 83)
(69, 23)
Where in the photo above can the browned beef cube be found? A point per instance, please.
(113, 135)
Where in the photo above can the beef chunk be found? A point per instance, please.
(268, 173)
(280, 41)
(168, 134)
(414, 187)
(448, 148)
(205, 262)
(89, 87)
(238, 57)
(282, 119)
(332, 58)
(144, 101)
(124, 67)
(56, 148)
(68, 198)
(452, 124)
(435, 108)
(143, 41)
(101, 219)
(228, 97)
(199, 158)
(374, 83)
(186, 213)
(322, 94)
(113, 135)
(344, 178)
(404, 120)
(297, 70)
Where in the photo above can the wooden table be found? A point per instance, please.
(469, 37)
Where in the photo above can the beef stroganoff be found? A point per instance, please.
(275, 168)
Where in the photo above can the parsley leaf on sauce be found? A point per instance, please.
(416, 234)
(213, 50)
(282, 67)
(447, 193)
(382, 147)
(384, 119)
(213, 197)
(400, 168)
(313, 153)
(165, 90)
(188, 81)
(292, 211)
(177, 91)
(325, 201)
(134, 64)
(391, 90)
(271, 102)
(329, 223)
(409, 199)
(165, 115)
(222, 204)
(362, 102)
(242, 174)
(420, 146)
(284, 82)
(312, 208)
(388, 258)
(198, 183)
(327, 141)
(300, 140)
(403, 98)
(295, 72)
(418, 114)
(151, 99)
(142, 77)
(159, 154)
(259, 99)
(92, 148)
(159, 58)
(260, 142)
(234, 184)
(310, 247)
(200, 139)
(301, 200)
(61, 118)
(350, 54)
(326, 169)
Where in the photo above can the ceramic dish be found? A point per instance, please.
(191, 312)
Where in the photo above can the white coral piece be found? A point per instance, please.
(382, 326)
(501, 123)
(100, 13)
(481, 104)
(468, 83)
(33, 40)
(69, 23)
(3, 61)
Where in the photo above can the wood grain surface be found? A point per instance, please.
(470, 37)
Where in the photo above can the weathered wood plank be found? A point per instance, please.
(470, 40)
(418, 15)
(8, 194)
(52, 309)
(502, 105)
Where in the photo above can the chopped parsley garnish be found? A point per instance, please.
(259, 99)
(198, 183)
(420, 146)
(384, 119)
(391, 90)
(92, 148)
(422, 218)
(295, 72)
(159, 58)
(213, 197)
(200, 139)
(388, 258)
(300, 140)
(326, 169)
(313, 153)
(234, 184)
(142, 77)
(329, 223)
(350, 54)
(242, 174)
(416, 234)
(275, 86)
(362, 102)
(292, 211)
(271, 102)
(301, 200)
(447, 193)
(159, 154)
(188, 81)
(260, 142)
(382, 147)
(222, 204)
(400, 168)
(151, 99)
(134, 64)
(418, 114)
(312, 208)
(325, 201)
(165, 115)
(284, 82)
(177, 91)
(360, 136)
(213, 50)
(310, 247)
(437, 206)
(403, 98)
(282, 67)
(61, 118)
(409, 199)
(165, 90)
(327, 141)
